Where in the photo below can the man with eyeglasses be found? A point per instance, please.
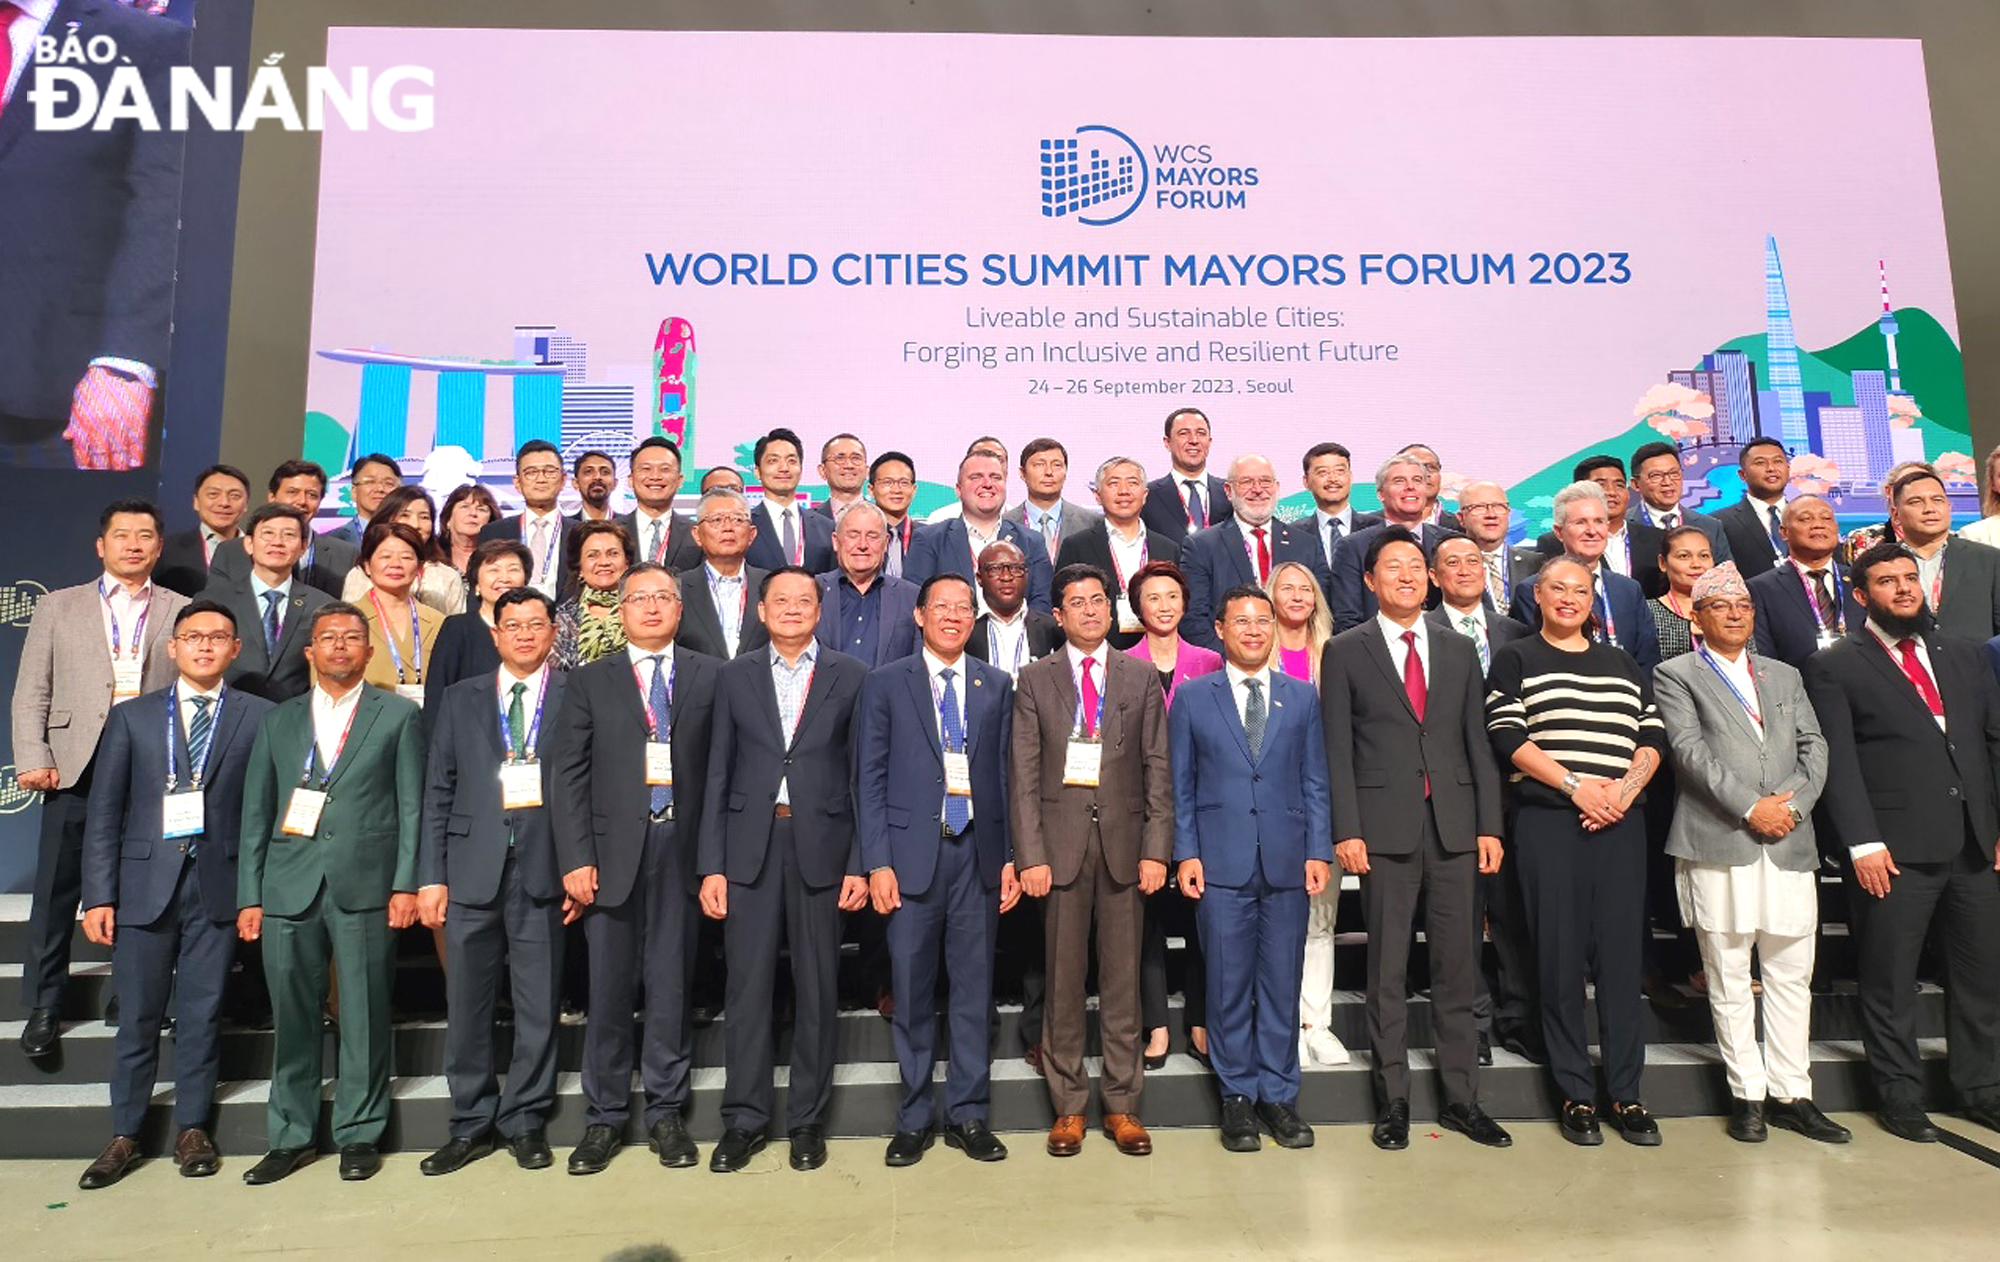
(1119, 543)
(788, 533)
(1753, 524)
(159, 883)
(372, 477)
(843, 466)
(326, 872)
(538, 478)
(719, 617)
(595, 475)
(1242, 548)
(954, 546)
(662, 535)
(273, 608)
(1009, 634)
(326, 559)
(1485, 514)
(862, 611)
(1656, 474)
(892, 481)
(487, 875)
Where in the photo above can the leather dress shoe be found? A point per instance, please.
(42, 1034)
(1908, 1121)
(1285, 1125)
(531, 1150)
(907, 1148)
(1472, 1122)
(458, 1153)
(668, 1138)
(359, 1161)
(1392, 1126)
(1803, 1116)
(1125, 1131)
(277, 1164)
(194, 1154)
(1579, 1124)
(1239, 1125)
(1066, 1136)
(973, 1139)
(600, 1144)
(735, 1150)
(111, 1164)
(1630, 1119)
(1984, 1112)
(1746, 1122)
(808, 1148)
(1485, 1050)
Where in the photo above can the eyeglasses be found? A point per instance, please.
(538, 474)
(849, 458)
(1661, 476)
(215, 639)
(1098, 601)
(377, 484)
(725, 519)
(646, 600)
(896, 484)
(1245, 623)
(536, 627)
(340, 639)
(961, 610)
(1726, 606)
(1258, 484)
(1493, 506)
(1004, 568)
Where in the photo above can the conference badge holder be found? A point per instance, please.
(520, 785)
(660, 763)
(181, 814)
(957, 774)
(303, 811)
(125, 678)
(1081, 763)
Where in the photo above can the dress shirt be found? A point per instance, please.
(1040, 520)
(1888, 643)
(125, 609)
(1399, 651)
(1764, 508)
(504, 685)
(210, 541)
(1238, 677)
(933, 667)
(860, 617)
(1100, 655)
(897, 554)
(1833, 588)
(978, 540)
(1618, 549)
(1658, 516)
(1457, 619)
(1930, 573)
(1127, 555)
(1739, 677)
(792, 683)
(1323, 520)
(543, 563)
(652, 546)
(184, 695)
(331, 716)
(780, 509)
(1499, 575)
(1007, 640)
(1184, 483)
(731, 599)
(1270, 528)
(257, 589)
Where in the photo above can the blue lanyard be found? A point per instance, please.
(138, 624)
(416, 637)
(1749, 707)
(207, 755)
(1839, 609)
(534, 729)
(1610, 623)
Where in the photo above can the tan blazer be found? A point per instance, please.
(62, 692)
(1134, 796)
(381, 668)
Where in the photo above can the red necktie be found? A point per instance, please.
(1413, 675)
(1913, 666)
(1089, 700)
(1263, 556)
(7, 15)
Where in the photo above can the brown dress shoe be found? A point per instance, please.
(194, 1153)
(1125, 1131)
(1066, 1136)
(123, 1150)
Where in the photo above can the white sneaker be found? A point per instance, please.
(1325, 1047)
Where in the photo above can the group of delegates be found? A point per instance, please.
(1179, 715)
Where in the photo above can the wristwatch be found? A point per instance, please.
(1570, 783)
(1798, 816)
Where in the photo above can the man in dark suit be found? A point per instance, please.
(1092, 812)
(326, 558)
(1656, 474)
(1403, 486)
(538, 477)
(719, 596)
(863, 612)
(843, 466)
(953, 546)
(1582, 524)
(1045, 514)
(369, 481)
(1416, 815)
(1806, 603)
(1960, 578)
(1433, 466)
(486, 869)
(90, 257)
(1252, 846)
(1009, 634)
(221, 493)
(939, 862)
(1189, 497)
(594, 474)
(787, 532)
(1631, 547)
(1329, 473)
(272, 609)
(1753, 524)
(1118, 544)
(662, 535)
(892, 482)
(1912, 722)
(1459, 573)
(628, 773)
(1485, 514)
(159, 883)
(779, 860)
(1242, 548)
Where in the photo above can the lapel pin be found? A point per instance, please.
(978, 683)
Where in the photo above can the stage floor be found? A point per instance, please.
(1700, 1195)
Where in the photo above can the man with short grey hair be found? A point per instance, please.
(1242, 548)
(717, 616)
(1404, 484)
(862, 611)
(1120, 542)
(1583, 527)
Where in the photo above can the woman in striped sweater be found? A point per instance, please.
(1575, 719)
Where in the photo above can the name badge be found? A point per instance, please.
(125, 678)
(180, 814)
(1827, 638)
(1128, 617)
(957, 775)
(411, 692)
(302, 813)
(660, 763)
(1081, 763)
(520, 785)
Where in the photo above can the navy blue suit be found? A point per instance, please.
(1632, 622)
(1253, 823)
(1218, 558)
(175, 901)
(1787, 627)
(948, 885)
(767, 549)
(895, 630)
(1167, 512)
(1353, 603)
(944, 546)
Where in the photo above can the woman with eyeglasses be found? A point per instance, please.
(465, 642)
(437, 584)
(465, 513)
(402, 629)
(587, 624)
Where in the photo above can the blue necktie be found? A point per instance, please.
(272, 627)
(199, 729)
(957, 810)
(656, 696)
(1254, 717)
(1197, 515)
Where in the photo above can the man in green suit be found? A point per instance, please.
(331, 802)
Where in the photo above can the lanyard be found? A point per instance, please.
(1749, 705)
(645, 695)
(937, 703)
(1839, 610)
(312, 749)
(138, 624)
(416, 638)
(742, 592)
(1020, 641)
(1937, 584)
(1610, 623)
(1119, 570)
(1097, 719)
(534, 729)
(549, 553)
(207, 755)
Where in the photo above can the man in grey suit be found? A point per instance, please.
(1750, 762)
(862, 611)
(1045, 513)
(272, 607)
(88, 648)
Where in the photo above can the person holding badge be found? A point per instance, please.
(328, 867)
(487, 868)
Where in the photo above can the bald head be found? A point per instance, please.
(1483, 511)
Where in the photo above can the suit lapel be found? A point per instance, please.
(1720, 691)
(1225, 701)
(816, 691)
(490, 723)
(1879, 654)
(365, 711)
(1378, 651)
(918, 678)
(1238, 559)
(226, 722)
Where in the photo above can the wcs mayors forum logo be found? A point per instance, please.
(1100, 175)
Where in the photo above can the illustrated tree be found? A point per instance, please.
(1676, 411)
(1813, 474)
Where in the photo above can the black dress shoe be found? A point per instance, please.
(600, 1144)
(1485, 1050)
(907, 1148)
(1471, 1121)
(702, 1015)
(1907, 1121)
(42, 1034)
(1630, 1119)
(111, 1164)
(1285, 1125)
(1803, 1116)
(1579, 1124)
(735, 1150)
(1527, 1049)
(1746, 1122)
(1984, 1112)
(808, 1148)
(1239, 1125)
(975, 1141)
(531, 1150)
(278, 1163)
(457, 1154)
(359, 1161)
(669, 1138)
(1392, 1126)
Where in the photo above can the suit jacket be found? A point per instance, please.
(1217, 559)
(350, 529)
(749, 756)
(62, 688)
(1718, 538)
(899, 781)
(1071, 520)
(381, 670)
(282, 673)
(1970, 609)
(465, 827)
(510, 528)
(1167, 513)
(767, 549)
(183, 563)
(945, 547)
(1044, 638)
(1191, 661)
(1092, 546)
(333, 558)
(1133, 802)
(464, 647)
(1500, 630)
(1722, 768)
(1357, 520)
(681, 551)
(1353, 603)
(600, 803)
(1380, 754)
(1892, 776)
(127, 861)
(1787, 628)
(1642, 537)
(1632, 621)
(366, 846)
(701, 625)
(1242, 815)
(895, 629)
(1748, 530)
